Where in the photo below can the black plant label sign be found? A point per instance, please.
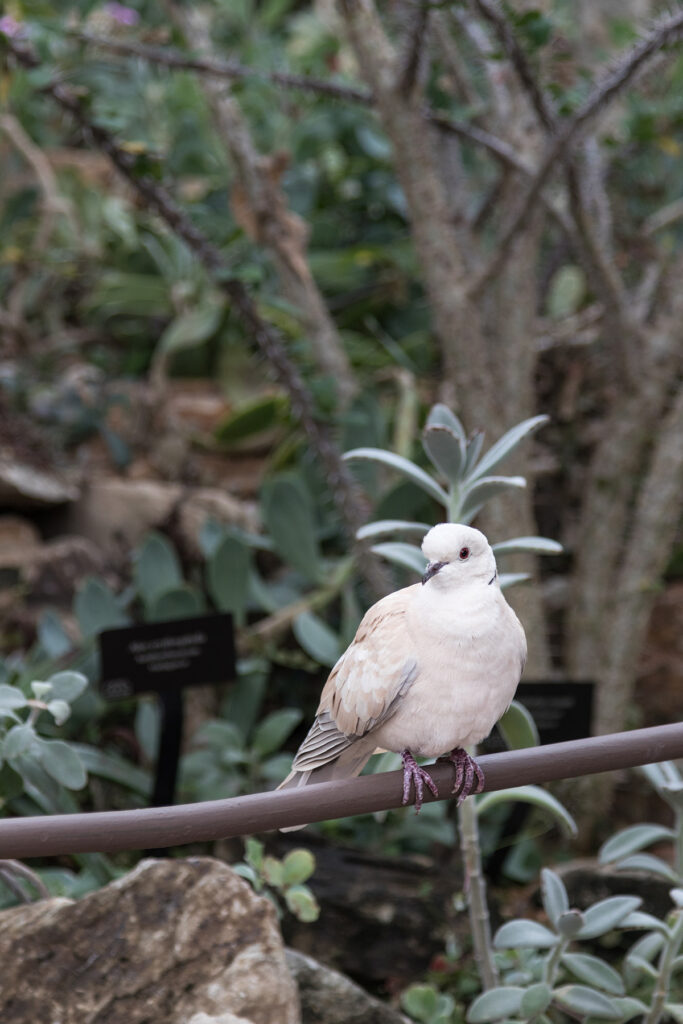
(160, 656)
(561, 710)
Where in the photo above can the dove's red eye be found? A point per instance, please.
(464, 553)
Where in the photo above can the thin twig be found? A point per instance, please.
(504, 152)
(588, 205)
(16, 868)
(412, 57)
(662, 218)
(492, 13)
(665, 32)
(229, 69)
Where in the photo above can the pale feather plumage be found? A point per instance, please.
(432, 667)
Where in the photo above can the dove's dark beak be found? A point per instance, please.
(432, 570)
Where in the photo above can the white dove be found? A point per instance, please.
(430, 671)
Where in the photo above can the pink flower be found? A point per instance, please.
(10, 27)
(124, 15)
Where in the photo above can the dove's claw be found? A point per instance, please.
(412, 772)
(469, 778)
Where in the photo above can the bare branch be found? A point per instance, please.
(491, 12)
(574, 331)
(623, 329)
(662, 218)
(232, 70)
(646, 554)
(588, 201)
(666, 32)
(498, 148)
(413, 56)
(261, 208)
(504, 152)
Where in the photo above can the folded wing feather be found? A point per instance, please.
(365, 685)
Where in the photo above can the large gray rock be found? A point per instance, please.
(328, 997)
(114, 511)
(174, 941)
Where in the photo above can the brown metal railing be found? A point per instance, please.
(156, 827)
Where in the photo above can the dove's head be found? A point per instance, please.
(457, 555)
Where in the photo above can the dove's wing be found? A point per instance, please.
(366, 684)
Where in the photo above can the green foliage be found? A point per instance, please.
(282, 881)
(241, 752)
(551, 970)
(426, 1004)
(29, 761)
(469, 485)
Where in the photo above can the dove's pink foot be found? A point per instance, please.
(469, 778)
(412, 772)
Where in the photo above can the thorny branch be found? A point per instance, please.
(409, 65)
(667, 31)
(492, 13)
(344, 488)
(233, 71)
(592, 238)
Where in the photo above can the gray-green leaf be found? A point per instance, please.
(19, 740)
(570, 924)
(555, 899)
(524, 933)
(445, 451)
(298, 866)
(11, 697)
(629, 1007)
(530, 795)
(384, 527)
(183, 602)
(534, 545)
(60, 710)
(647, 862)
(405, 555)
(317, 638)
(62, 763)
(228, 576)
(289, 517)
(157, 568)
(405, 466)
(272, 732)
(518, 727)
(484, 489)
(595, 972)
(578, 999)
(496, 1004)
(506, 445)
(441, 416)
(632, 839)
(607, 914)
(566, 291)
(535, 1000)
(96, 608)
(302, 903)
(67, 686)
(191, 328)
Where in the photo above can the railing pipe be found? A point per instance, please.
(155, 827)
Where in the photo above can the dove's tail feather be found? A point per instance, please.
(349, 763)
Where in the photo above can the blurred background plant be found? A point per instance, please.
(178, 382)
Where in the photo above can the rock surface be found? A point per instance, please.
(328, 997)
(174, 941)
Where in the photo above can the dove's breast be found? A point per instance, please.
(469, 662)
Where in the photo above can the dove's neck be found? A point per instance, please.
(467, 609)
